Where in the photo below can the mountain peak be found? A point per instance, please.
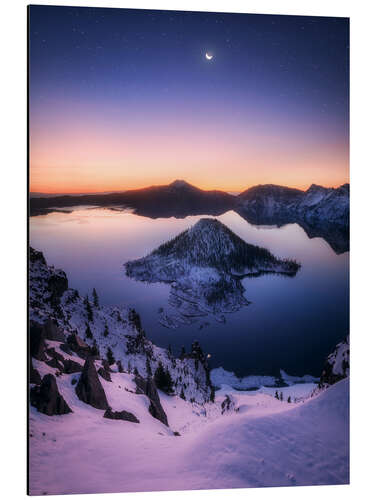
(180, 183)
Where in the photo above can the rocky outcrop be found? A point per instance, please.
(71, 366)
(47, 399)
(337, 364)
(148, 388)
(121, 415)
(89, 389)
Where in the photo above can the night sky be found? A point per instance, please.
(125, 98)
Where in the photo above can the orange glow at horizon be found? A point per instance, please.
(92, 159)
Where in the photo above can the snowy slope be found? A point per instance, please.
(263, 442)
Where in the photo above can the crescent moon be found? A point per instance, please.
(208, 56)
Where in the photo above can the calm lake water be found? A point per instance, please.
(292, 323)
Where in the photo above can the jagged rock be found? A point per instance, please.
(336, 366)
(53, 354)
(79, 346)
(35, 256)
(148, 388)
(121, 415)
(47, 399)
(71, 366)
(89, 389)
(55, 363)
(105, 374)
(37, 341)
(52, 331)
(34, 378)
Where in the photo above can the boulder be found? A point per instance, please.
(121, 415)
(89, 389)
(34, 377)
(71, 366)
(47, 399)
(148, 388)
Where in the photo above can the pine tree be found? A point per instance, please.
(183, 352)
(119, 366)
(88, 332)
(106, 331)
(110, 357)
(182, 394)
(170, 349)
(95, 349)
(277, 395)
(212, 395)
(88, 309)
(281, 396)
(163, 379)
(148, 367)
(95, 298)
(289, 399)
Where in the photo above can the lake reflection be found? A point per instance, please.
(292, 323)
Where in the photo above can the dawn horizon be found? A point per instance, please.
(134, 100)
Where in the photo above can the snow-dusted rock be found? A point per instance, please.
(89, 389)
(337, 364)
(121, 415)
(47, 399)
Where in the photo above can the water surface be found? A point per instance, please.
(292, 323)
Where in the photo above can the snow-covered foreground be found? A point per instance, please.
(264, 442)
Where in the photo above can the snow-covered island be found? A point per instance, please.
(114, 413)
(204, 266)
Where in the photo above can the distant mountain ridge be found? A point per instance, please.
(316, 203)
(319, 210)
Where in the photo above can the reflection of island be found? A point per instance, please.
(321, 212)
(205, 265)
